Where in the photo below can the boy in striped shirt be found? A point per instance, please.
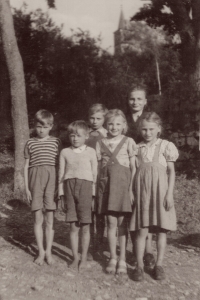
(41, 155)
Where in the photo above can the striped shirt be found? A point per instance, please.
(42, 152)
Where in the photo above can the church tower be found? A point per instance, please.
(119, 35)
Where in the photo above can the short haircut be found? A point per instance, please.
(138, 87)
(76, 125)
(96, 108)
(113, 113)
(43, 116)
(153, 117)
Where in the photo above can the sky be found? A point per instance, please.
(96, 16)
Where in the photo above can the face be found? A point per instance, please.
(137, 101)
(149, 131)
(115, 126)
(78, 139)
(42, 131)
(96, 120)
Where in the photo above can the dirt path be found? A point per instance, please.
(21, 279)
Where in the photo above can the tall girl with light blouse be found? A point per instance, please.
(154, 183)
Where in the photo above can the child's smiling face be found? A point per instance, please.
(149, 131)
(78, 138)
(96, 120)
(115, 126)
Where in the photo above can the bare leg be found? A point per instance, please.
(161, 245)
(140, 246)
(122, 233)
(38, 231)
(85, 241)
(74, 230)
(49, 235)
(112, 239)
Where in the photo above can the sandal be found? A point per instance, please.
(111, 267)
(121, 267)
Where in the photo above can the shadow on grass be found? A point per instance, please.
(16, 227)
(190, 240)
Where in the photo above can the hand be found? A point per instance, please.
(63, 206)
(168, 202)
(28, 196)
(131, 196)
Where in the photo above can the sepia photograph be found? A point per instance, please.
(99, 150)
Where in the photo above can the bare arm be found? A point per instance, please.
(61, 173)
(169, 199)
(133, 170)
(94, 167)
(28, 193)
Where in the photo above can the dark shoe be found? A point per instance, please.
(149, 260)
(138, 274)
(159, 273)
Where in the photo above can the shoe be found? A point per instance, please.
(89, 257)
(159, 273)
(121, 267)
(111, 267)
(138, 274)
(149, 260)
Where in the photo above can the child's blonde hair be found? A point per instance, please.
(113, 113)
(74, 126)
(153, 117)
(43, 116)
(96, 108)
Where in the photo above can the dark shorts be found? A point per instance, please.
(78, 200)
(42, 183)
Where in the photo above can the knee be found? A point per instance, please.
(85, 229)
(112, 225)
(49, 222)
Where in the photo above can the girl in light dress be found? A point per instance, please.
(154, 183)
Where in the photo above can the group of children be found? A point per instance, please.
(103, 173)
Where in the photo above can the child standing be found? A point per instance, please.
(77, 179)
(116, 154)
(97, 114)
(41, 155)
(154, 184)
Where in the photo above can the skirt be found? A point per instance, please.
(151, 184)
(113, 189)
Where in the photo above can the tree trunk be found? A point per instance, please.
(158, 76)
(18, 94)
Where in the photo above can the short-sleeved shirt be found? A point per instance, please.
(42, 152)
(168, 152)
(127, 150)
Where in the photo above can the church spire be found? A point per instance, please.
(121, 20)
